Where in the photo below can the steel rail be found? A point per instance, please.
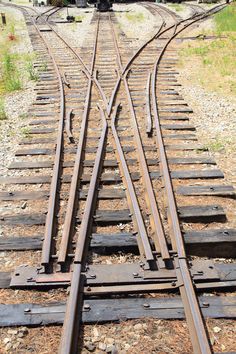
(160, 32)
(102, 93)
(155, 219)
(72, 315)
(131, 195)
(113, 95)
(49, 224)
(194, 317)
(68, 224)
(45, 12)
(148, 106)
(67, 227)
(94, 48)
(118, 57)
(52, 13)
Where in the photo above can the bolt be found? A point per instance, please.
(173, 283)
(93, 276)
(87, 307)
(88, 288)
(135, 274)
(27, 309)
(205, 304)
(146, 305)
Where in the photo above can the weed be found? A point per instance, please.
(216, 145)
(25, 132)
(33, 73)
(44, 66)
(23, 116)
(11, 37)
(226, 19)
(10, 74)
(177, 7)
(3, 115)
(135, 17)
(79, 18)
(216, 69)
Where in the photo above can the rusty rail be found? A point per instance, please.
(148, 106)
(192, 310)
(72, 316)
(74, 182)
(131, 195)
(155, 219)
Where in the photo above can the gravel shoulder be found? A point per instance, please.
(16, 103)
(136, 22)
(214, 112)
(75, 33)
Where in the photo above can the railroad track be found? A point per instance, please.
(106, 151)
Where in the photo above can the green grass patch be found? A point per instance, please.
(3, 115)
(25, 132)
(176, 7)
(79, 18)
(226, 19)
(213, 62)
(30, 69)
(135, 16)
(216, 145)
(10, 74)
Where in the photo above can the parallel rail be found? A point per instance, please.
(153, 253)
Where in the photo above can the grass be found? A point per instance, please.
(25, 132)
(215, 60)
(135, 17)
(79, 18)
(216, 145)
(226, 20)
(29, 66)
(176, 7)
(10, 74)
(3, 115)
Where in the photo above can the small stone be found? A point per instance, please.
(112, 349)
(20, 335)
(127, 346)
(24, 205)
(109, 340)
(222, 347)
(16, 345)
(95, 332)
(102, 346)
(212, 340)
(138, 327)
(90, 346)
(8, 346)
(12, 331)
(216, 329)
(24, 330)
(6, 340)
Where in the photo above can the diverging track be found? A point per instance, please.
(111, 135)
